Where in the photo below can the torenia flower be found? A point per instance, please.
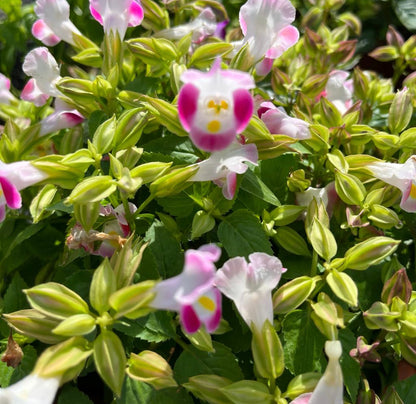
(402, 176)
(279, 122)
(249, 285)
(54, 24)
(215, 106)
(64, 117)
(13, 178)
(203, 26)
(339, 90)
(223, 166)
(327, 195)
(329, 389)
(192, 293)
(5, 95)
(267, 31)
(117, 15)
(32, 389)
(42, 67)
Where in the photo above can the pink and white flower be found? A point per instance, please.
(329, 389)
(13, 178)
(31, 389)
(327, 195)
(267, 31)
(339, 90)
(215, 106)
(54, 24)
(5, 95)
(42, 67)
(250, 285)
(223, 166)
(117, 15)
(279, 122)
(202, 27)
(64, 117)
(402, 176)
(192, 293)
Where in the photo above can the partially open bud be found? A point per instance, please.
(151, 368)
(248, 391)
(379, 316)
(398, 285)
(174, 182)
(77, 325)
(301, 384)
(208, 388)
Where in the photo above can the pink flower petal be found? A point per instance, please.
(243, 108)
(44, 34)
(189, 319)
(230, 186)
(32, 93)
(187, 105)
(136, 14)
(302, 399)
(211, 142)
(97, 16)
(213, 323)
(263, 68)
(11, 194)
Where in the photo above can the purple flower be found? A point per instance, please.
(13, 178)
(215, 106)
(192, 293)
(223, 166)
(250, 285)
(279, 122)
(117, 15)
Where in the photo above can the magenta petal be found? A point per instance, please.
(187, 104)
(2, 212)
(243, 108)
(214, 321)
(96, 15)
(189, 319)
(32, 93)
(44, 34)
(11, 194)
(263, 68)
(230, 186)
(211, 142)
(136, 14)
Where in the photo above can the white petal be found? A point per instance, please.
(22, 174)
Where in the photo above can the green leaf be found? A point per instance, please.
(350, 368)
(192, 362)
(70, 395)
(256, 187)
(303, 344)
(406, 11)
(242, 234)
(406, 389)
(14, 298)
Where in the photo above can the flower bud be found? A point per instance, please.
(156, 18)
(330, 116)
(204, 55)
(293, 293)
(349, 188)
(103, 138)
(301, 384)
(208, 388)
(87, 214)
(385, 141)
(129, 157)
(367, 397)
(322, 240)
(291, 241)
(56, 300)
(149, 172)
(103, 285)
(408, 324)
(408, 349)
(88, 57)
(391, 396)
(173, 182)
(92, 189)
(398, 285)
(408, 138)
(248, 391)
(297, 181)
(151, 368)
(202, 223)
(400, 112)
(370, 252)
(286, 214)
(129, 128)
(275, 147)
(80, 92)
(77, 325)
(343, 287)
(385, 53)
(41, 201)
(131, 301)
(267, 352)
(379, 316)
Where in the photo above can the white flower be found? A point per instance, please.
(339, 90)
(5, 95)
(32, 389)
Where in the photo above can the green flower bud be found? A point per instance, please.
(202, 223)
(408, 349)
(132, 301)
(343, 287)
(77, 325)
(34, 324)
(314, 85)
(41, 202)
(88, 57)
(370, 252)
(242, 60)
(129, 157)
(156, 18)
(208, 388)
(398, 285)
(291, 241)
(248, 391)
(385, 141)
(297, 181)
(408, 138)
(79, 91)
(92, 189)
(379, 316)
(301, 384)
(173, 182)
(286, 214)
(103, 138)
(385, 53)
(151, 368)
(110, 360)
(275, 147)
(349, 188)
(338, 161)
(328, 311)
(56, 300)
(330, 116)
(293, 293)
(322, 240)
(267, 352)
(129, 128)
(200, 339)
(408, 324)
(149, 172)
(204, 55)
(400, 112)
(103, 285)
(87, 214)
(361, 83)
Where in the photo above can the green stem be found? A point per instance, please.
(314, 264)
(143, 205)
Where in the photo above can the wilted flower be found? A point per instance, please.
(402, 176)
(250, 285)
(31, 389)
(365, 352)
(42, 66)
(202, 27)
(13, 178)
(5, 95)
(215, 106)
(267, 31)
(223, 166)
(339, 90)
(117, 15)
(192, 293)
(279, 122)
(329, 389)
(54, 24)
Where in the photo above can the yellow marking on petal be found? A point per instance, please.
(214, 126)
(207, 303)
(413, 191)
(218, 106)
(224, 104)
